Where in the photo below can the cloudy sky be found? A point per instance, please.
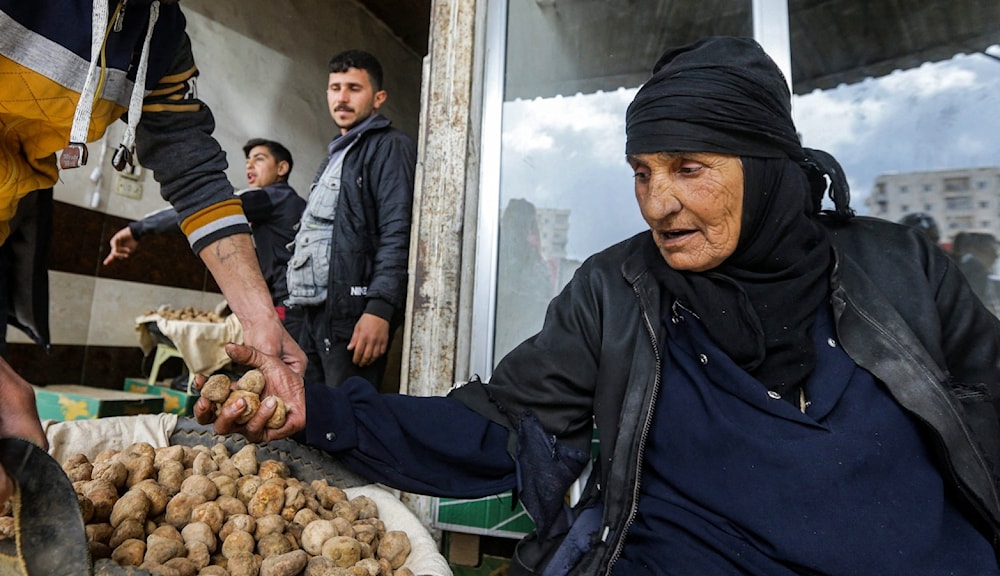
(567, 152)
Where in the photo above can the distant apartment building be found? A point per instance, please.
(553, 229)
(963, 199)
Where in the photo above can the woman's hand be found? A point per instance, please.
(280, 381)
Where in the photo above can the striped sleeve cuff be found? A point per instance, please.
(214, 222)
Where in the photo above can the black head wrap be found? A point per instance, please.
(726, 96)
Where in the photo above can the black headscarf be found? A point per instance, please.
(725, 95)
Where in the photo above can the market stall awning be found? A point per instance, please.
(833, 41)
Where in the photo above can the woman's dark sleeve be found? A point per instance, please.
(425, 445)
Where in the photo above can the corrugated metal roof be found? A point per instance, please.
(571, 46)
(844, 41)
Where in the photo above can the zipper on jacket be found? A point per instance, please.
(634, 506)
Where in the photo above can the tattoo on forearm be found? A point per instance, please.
(225, 249)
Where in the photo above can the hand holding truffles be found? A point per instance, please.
(222, 391)
(282, 381)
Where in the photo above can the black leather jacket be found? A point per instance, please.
(903, 311)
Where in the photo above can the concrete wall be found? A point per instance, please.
(266, 62)
(263, 73)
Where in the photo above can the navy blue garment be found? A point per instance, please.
(435, 446)
(738, 482)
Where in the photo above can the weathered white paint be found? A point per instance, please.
(444, 206)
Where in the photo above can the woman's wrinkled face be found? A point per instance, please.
(693, 203)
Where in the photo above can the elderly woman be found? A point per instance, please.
(777, 390)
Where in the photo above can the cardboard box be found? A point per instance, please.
(488, 566)
(74, 402)
(174, 401)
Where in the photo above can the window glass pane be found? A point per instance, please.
(572, 67)
(917, 140)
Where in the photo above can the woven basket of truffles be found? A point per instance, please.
(211, 505)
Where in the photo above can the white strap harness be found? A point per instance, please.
(84, 107)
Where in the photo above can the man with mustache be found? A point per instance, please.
(349, 267)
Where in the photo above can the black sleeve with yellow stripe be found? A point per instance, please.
(174, 140)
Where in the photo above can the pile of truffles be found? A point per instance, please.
(195, 510)
(223, 392)
(186, 314)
